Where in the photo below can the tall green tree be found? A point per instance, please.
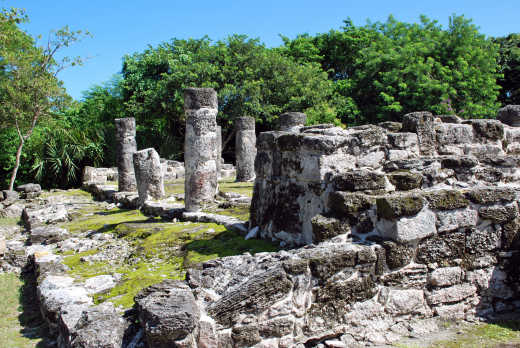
(384, 70)
(29, 88)
(250, 79)
(509, 61)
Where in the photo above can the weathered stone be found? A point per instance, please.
(167, 312)
(449, 220)
(324, 262)
(220, 160)
(510, 115)
(482, 240)
(100, 283)
(47, 234)
(333, 296)
(10, 196)
(446, 199)
(397, 254)
(406, 141)
(391, 126)
(359, 180)
(451, 133)
(200, 147)
(499, 213)
(421, 123)
(392, 207)
(125, 146)
(401, 302)
(148, 175)
(245, 148)
(94, 175)
(28, 188)
(405, 181)
(245, 336)
(37, 217)
(277, 327)
(488, 129)
(99, 326)
(446, 276)
(486, 195)
(254, 296)
(324, 228)
(454, 293)
(408, 229)
(449, 118)
(442, 249)
(349, 203)
(290, 121)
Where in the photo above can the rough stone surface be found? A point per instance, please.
(510, 115)
(126, 146)
(421, 123)
(37, 217)
(245, 148)
(148, 174)
(200, 147)
(291, 121)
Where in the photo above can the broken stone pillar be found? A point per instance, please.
(510, 115)
(245, 148)
(219, 150)
(126, 146)
(291, 121)
(148, 174)
(200, 147)
(421, 123)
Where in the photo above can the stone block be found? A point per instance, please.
(449, 220)
(446, 199)
(401, 302)
(446, 276)
(451, 133)
(148, 175)
(392, 207)
(452, 294)
(421, 123)
(499, 213)
(408, 229)
(404, 181)
(510, 115)
(290, 121)
(488, 129)
(324, 228)
(359, 180)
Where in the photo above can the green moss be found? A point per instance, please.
(226, 243)
(83, 270)
(9, 221)
(239, 212)
(102, 221)
(393, 207)
(139, 277)
(446, 199)
(243, 188)
(485, 335)
(174, 187)
(67, 193)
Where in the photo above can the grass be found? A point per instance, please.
(20, 323)
(501, 334)
(9, 221)
(244, 188)
(101, 221)
(66, 193)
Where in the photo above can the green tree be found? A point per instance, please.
(250, 80)
(509, 61)
(384, 70)
(29, 88)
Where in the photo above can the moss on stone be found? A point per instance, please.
(393, 207)
(66, 193)
(243, 188)
(102, 221)
(446, 199)
(9, 221)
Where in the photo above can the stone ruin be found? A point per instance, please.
(126, 146)
(200, 147)
(398, 225)
(245, 148)
(149, 175)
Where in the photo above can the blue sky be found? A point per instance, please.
(125, 27)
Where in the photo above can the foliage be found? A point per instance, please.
(29, 88)
(385, 70)
(509, 61)
(250, 80)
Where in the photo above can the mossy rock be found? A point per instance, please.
(394, 207)
(491, 195)
(324, 228)
(349, 204)
(446, 199)
(405, 181)
(359, 180)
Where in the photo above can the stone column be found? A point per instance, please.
(291, 121)
(126, 146)
(219, 151)
(422, 123)
(200, 147)
(245, 148)
(148, 175)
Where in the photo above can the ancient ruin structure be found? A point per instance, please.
(219, 151)
(403, 224)
(200, 147)
(245, 148)
(291, 121)
(126, 146)
(149, 175)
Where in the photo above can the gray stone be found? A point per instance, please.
(49, 215)
(408, 229)
(392, 207)
(446, 199)
(167, 312)
(499, 213)
(47, 234)
(446, 276)
(449, 220)
(359, 180)
(148, 175)
(510, 115)
(245, 148)
(449, 118)
(220, 160)
(401, 302)
(405, 181)
(97, 175)
(10, 196)
(324, 228)
(421, 123)
(200, 147)
(125, 146)
(454, 293)
(291, 121)
(28, 188)
(486, 129)
(391, 126)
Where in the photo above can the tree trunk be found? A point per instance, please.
(16, 164)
